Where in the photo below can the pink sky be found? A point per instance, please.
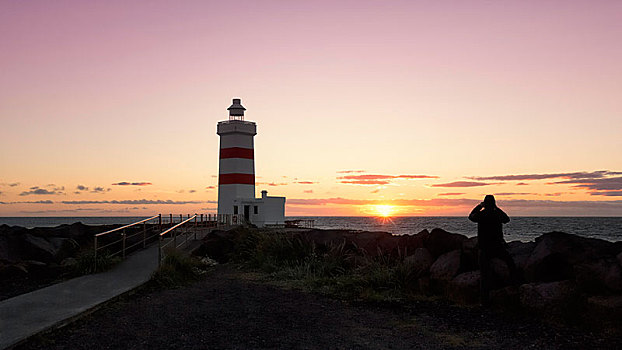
(97, 93)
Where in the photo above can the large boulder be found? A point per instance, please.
(556, 253)
(444, 269)
(38, 248)
(65, 247)
(551, 296)
(217, 245)
(505, 298)
(520, 252)
(464, 288)
(410, 243)
(605, 308)
(599, 276)
(420, 261)
(470, 254)
(440, 242)
(500, 272)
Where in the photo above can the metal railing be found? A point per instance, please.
(178, 235)
(117, 239)
(128, 238)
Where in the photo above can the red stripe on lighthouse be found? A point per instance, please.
(236, 179)
(236, 152)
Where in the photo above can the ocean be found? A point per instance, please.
(520, 228)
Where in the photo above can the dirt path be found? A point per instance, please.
(226, 311)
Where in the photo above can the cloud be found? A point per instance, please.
(366, 182)
(406, 202)
(308, 191)
(125, 183)
(137, 202)
(272, 183)
(603, 184)
(29, 202)
(573, 175)
(451, 194)
(210, 187)
(306, 182)
(522, 184)
(192, 191)
(375, 191)
(464, 184)
(607, 193)
(38, 191)
(100, 190)
(350, 171)
(82, 188)
(513, 194)
(14, 184)
(378, 179)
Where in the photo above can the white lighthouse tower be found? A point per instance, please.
(236, 175)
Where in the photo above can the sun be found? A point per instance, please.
(384, 210)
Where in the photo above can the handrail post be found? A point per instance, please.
(195, 226)
(95, 254)
(144, 234)
(181, 217)
(171, 219)
(123, 243)
(159, 250)
(160, 222)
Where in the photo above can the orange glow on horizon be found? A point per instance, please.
(384, 210)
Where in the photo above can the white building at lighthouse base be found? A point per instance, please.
(264, 211)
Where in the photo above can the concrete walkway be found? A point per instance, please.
(34, 312)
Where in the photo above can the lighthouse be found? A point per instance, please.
(236, 173)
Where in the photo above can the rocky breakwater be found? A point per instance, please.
(560, 274)
(31, 258)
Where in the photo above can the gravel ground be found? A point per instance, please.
(226, 310)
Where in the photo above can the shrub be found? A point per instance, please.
(177, 269)
(86, 262)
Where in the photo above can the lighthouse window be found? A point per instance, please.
(255, 210)
(235, 209)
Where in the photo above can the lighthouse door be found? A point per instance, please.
(247, 213)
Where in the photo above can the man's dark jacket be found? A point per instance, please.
(489, 226)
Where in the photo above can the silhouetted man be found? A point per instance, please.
(490, 220)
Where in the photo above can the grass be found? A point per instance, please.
(87, 263)
(339, 270)
(178, 269)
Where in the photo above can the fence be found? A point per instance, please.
(126, 239)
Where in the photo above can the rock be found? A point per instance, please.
(38, 248)
(440, 242)
(619, 257)
(36, 267)
(68, 262)
(13, 271)
(551, 296)
(520, 252)
(470, 254)
(500, 272)
(218, 245)
(444, 269)
(555, 254)
(65, 247)
(423, 284)
(605, 308)
(420, 261)
(506, 298)
(464, 288)
(599, 276)
(410, 243)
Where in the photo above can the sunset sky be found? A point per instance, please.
(110, 107)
